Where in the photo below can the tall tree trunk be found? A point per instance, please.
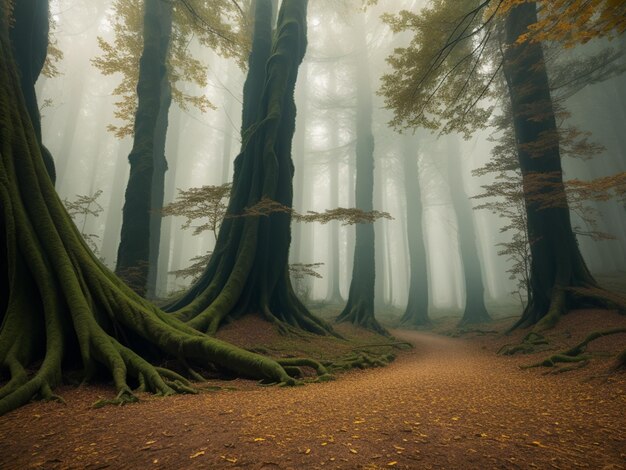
(133, 254)
(248, 271)
(559, 278)
(333, 294)
(29, 40)
(416, 313)
(359, 309)
(160, 167)
(475, 310)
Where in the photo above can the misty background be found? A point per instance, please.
(78, 105)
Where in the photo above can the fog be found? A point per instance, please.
(79, 104)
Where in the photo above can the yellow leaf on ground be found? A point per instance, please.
(259, 439)
(353, 451)
(197, 454)
(308, 451)
(391, 464)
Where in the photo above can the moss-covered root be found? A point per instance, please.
(361, 360)
(530, 344)
(293, 364)
(576, 353)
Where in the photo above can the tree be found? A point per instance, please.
(134, 250)
(29, 39)
(559, 278)
(248, 271)
(475, 310)
(164, 40)
(416, 312)
(458, 71)
(359, 309)
(59, 306)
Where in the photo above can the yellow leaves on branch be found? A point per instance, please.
(572, 22)
(217, 25)
(347, 216)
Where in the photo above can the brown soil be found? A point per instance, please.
(448, 403)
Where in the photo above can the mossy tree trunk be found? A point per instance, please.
(559, 278)
(248, 271)
(133, 254)
(29, 39)
(416, 312)
(158, 175)
(60, 307)
(359, 309)
(475, 310)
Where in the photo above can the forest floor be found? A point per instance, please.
(450, 402)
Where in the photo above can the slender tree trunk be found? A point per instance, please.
(133, 254)
(475, 310)
(333, 294)
(359, 309)
(379, 246)
(559, 278)
(416, 313)
(160, 165)
(29, 40)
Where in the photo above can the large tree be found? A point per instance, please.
(29, 39)
(559, 277)
(248, 271)
(59, 306)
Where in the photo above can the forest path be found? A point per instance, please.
(448, 403)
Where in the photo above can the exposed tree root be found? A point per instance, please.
(564, 299)
(577, 353)
(531, 343)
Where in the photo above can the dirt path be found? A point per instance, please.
(446, 404)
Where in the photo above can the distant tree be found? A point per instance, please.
(474, 310)
(359, 309)
(416, 312)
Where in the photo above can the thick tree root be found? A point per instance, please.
(577, 353)
(531, 343)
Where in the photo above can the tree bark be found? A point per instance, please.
(29, 40)
(248, 271)
(133, 254)
(160, 166)
(416, 313)
(559, 278)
